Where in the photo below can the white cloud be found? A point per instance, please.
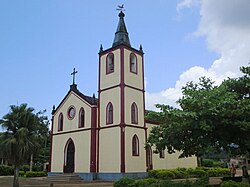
(226, 27)
(186, 4)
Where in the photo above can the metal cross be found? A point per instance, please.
(120, 7)
(74, 73)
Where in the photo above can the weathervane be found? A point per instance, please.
(74, 73)
(120, 7)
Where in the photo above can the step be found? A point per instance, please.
(64, 178)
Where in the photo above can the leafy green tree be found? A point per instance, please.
(23, 128)
(211, 118)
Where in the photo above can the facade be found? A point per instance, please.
(105, 138)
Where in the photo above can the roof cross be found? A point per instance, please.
(73, 74)
(120, 7)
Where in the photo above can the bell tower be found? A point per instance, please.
(121, 130)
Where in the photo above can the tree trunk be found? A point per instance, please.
(16, 177)
(199, 161)
(31, 161)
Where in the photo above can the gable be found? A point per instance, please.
(76, 101)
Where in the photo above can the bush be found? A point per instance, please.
(201, 182)
(37, 167)
(124, 182)
(207, 163)
(6, 170)
(153, 173)
(213, 163)
(21, 173)
(233, 184)
(25, 168)
(36, 174)
(180, 173)
(149, 182)
(219, 164)
(197, 172)
(167, 183)
(217, 172)
(165, 174)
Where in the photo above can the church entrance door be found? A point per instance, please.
(69, 166)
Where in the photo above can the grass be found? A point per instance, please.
(7, 181)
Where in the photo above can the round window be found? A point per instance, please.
(71, 112)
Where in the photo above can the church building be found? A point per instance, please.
(104, 137)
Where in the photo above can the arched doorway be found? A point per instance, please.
(69, 157)
(149, 158)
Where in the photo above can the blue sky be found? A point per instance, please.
(41, 41)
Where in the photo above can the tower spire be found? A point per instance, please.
(121, 35)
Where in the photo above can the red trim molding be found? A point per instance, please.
(98, 124)
(119, 47)
(67, 132)
(93, 140)
(122, 131)
(119, 85)
(144, 108)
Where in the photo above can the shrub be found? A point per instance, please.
(197, 172)
(216, 172)
(124, 182)
(167, 183)
(153, 173)
(224, 171)
(233, 184)
(149, 182)
(207, 163)
(21, 173)
(180, 173)
(219, 164)
(201, 182)
(36, 174)
(37, 167)
(25, 168)
(183, 173)
(6, 170)
(165, 174)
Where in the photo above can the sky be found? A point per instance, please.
(41, 41)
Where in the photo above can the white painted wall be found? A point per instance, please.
(109, 142)
(135, 163)
(81, 141)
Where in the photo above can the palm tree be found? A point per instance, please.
(21, 126)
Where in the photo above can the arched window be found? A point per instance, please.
(135, 146)
(81, 118)
(60, 122)
(134, 114)
(109, 113)
(133, 63)
(110, 63)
